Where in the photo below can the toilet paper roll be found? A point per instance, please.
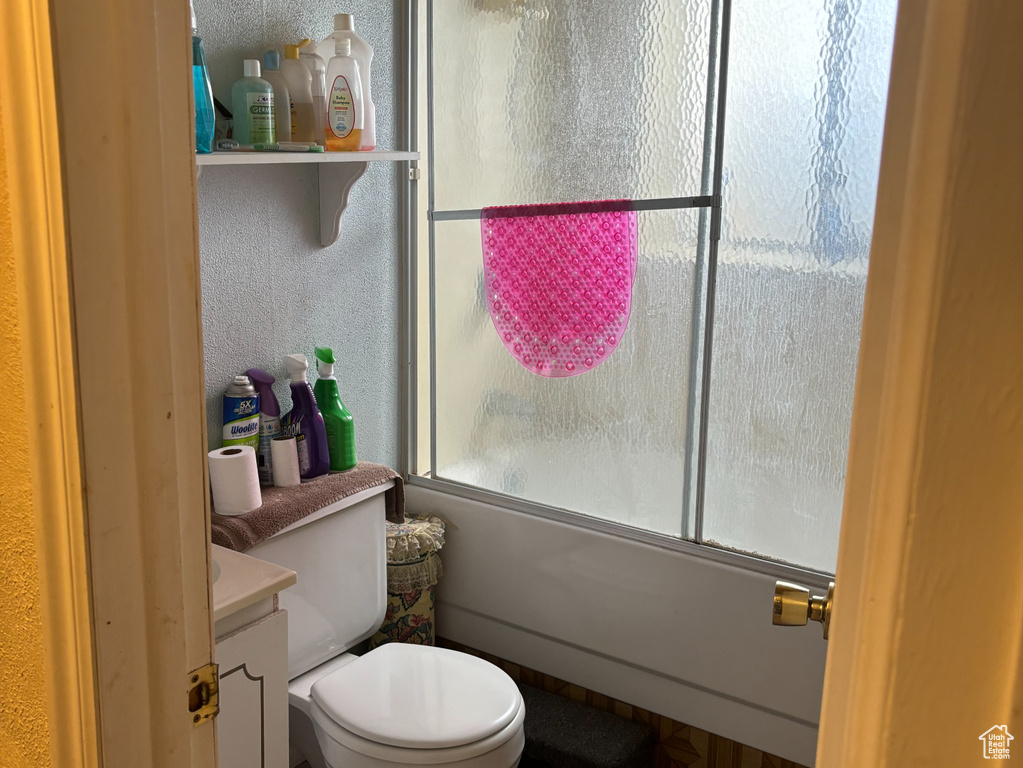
(235, 480)
(284, 457)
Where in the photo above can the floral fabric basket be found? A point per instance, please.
(413, 568)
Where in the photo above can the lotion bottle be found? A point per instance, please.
(318, 71)
(282, 100)
(300, 89)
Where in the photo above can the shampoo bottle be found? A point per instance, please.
(205, 117)
(252, 101)
(305, 422)
(318, 71)
(300, 89)
(269, 422)
(362, 52)
(345, 114)
(282, 101)
(337, 419)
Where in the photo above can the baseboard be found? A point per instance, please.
(725, 716)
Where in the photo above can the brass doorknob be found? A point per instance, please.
(794, 606)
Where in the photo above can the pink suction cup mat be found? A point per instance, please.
(559, 281)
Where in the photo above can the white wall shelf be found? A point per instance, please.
(338, 173)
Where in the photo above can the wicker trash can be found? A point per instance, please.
(413, 568)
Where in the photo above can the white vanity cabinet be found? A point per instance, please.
(252, 656)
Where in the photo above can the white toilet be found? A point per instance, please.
(398, 705)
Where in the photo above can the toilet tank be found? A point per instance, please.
(339, 554)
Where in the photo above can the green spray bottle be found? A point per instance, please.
(337, 419)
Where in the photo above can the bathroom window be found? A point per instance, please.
(536, 101)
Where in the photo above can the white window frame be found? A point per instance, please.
(709, 201)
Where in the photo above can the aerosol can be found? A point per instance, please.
(241, 413)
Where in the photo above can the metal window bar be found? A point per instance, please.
(700, 284)
(600, 206)
(432, 237)
(712, 267)
(409, 84)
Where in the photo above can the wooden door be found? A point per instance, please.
(927, 634)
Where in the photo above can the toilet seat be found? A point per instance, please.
(343, 748)
(410, 698)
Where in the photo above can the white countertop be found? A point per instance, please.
(240, 581)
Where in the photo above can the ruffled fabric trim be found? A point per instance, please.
(403, 578)
(414, 539)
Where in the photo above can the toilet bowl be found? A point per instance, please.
(403, 705)
(397, 705)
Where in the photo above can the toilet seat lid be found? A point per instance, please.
(419, 697)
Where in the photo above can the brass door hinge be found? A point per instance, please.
(203, 694)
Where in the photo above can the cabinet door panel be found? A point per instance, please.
(252, 728)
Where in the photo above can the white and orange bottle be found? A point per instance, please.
(362, 52)
(345, 106)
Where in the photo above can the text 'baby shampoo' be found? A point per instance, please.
(345, 106)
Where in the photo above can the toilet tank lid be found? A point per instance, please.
(419, 697)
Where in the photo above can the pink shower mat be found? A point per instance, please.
(559, 281)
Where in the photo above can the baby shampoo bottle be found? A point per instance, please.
(345, 107)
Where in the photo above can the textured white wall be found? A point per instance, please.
(268, 288)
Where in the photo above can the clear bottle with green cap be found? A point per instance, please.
(252, 101)
(336, 418)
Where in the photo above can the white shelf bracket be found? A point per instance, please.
(336, 182)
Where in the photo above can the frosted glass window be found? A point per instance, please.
(535, 101)
(609, 443)
(538, 101)
(805, 113)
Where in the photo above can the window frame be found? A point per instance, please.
(710, 204)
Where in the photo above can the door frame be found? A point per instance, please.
(926, 484)
(926, 649)
(106, 228)
(47, 393)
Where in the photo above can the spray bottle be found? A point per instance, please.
(337, 419)
(269, 422)
(305, 422)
